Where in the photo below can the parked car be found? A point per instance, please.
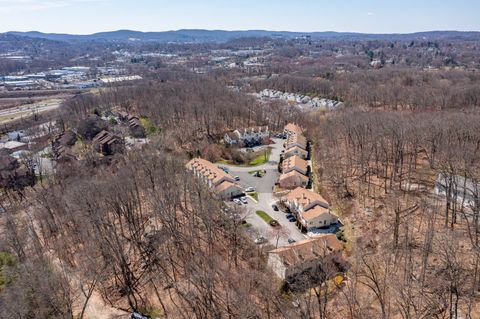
(250, 189)
(274, 223)
(244, 200)
(136, 315)
(237, 178)
(275, 207)
(257, 174)
(291, 218)
(291, 240)
(260, 240)
(237, 201)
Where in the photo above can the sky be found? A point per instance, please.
(366, 16)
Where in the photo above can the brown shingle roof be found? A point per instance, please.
(209, 170)
(314, 212)
(105, 137)
(304, 196)
(294, 174)
(293, 128)
(294, 162)
(296, 139)
(308, 249)
(296, 148)
(224, 186)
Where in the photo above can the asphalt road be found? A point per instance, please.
(24, 110)
(264, 187)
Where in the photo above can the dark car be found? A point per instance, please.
(275, 207)
(274, 223)
(291, 240)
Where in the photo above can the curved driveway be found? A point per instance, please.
(264, 187)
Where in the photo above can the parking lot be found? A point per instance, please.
(264, 187)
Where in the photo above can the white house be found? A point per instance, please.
(247, 135)
(459, 188)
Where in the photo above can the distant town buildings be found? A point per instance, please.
(75, 77)
(300, 100)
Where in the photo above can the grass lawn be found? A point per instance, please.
(264, 216)
(150, 128)
(254, 195)
(260, 158)
(225, 162)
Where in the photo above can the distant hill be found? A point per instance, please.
(198, 36)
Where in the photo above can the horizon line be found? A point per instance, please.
(242, 30)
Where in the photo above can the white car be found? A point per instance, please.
(249, 190)
(244, 200)
(237, 201)
(260, 240)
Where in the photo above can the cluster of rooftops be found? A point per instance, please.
(294, 166)
(221, 182)
(251, 134)
(311, 208)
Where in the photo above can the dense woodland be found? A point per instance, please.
(138, 233)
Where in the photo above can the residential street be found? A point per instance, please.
(264, 187)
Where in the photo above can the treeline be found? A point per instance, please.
(191, 112)
(393, 89)
(141, 235)
(416, 254)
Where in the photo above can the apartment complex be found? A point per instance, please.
(247, 136)
(294, 167)
(221, 183)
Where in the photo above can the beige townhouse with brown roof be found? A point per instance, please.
(312, 210)
(223, 184)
